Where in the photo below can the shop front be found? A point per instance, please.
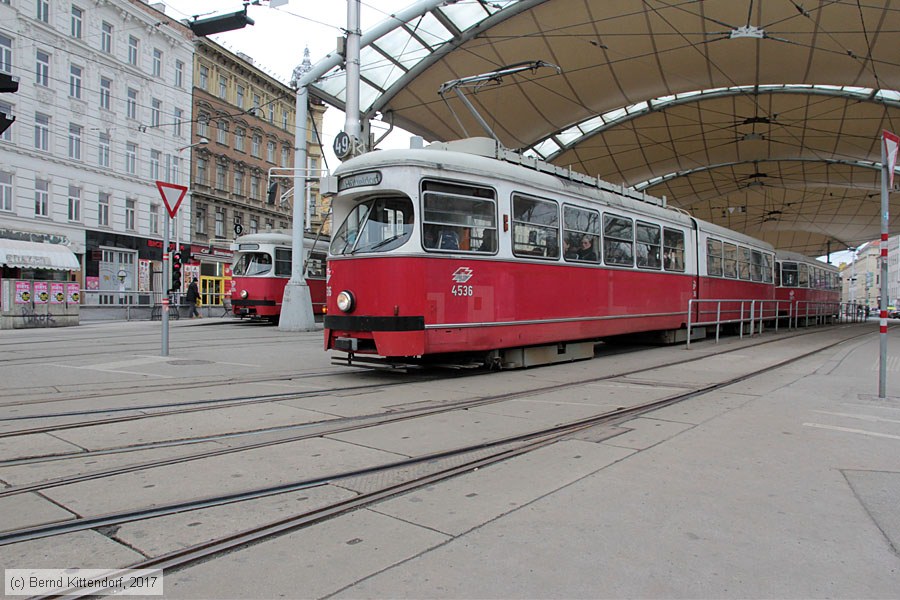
(213, 269)
(38, 286)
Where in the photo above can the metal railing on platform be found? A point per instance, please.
(757, 312)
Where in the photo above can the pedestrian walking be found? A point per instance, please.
(193, 298)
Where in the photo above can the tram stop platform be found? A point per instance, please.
(780, 486)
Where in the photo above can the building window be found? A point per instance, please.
(155, 110)
(103, 150)
(131, 151)
(179, 73)
(106, 33)
(157, 62)
(77, 19)
(240, 96)
(43, 11)
(130, 204)
(222, 132)
(105, 93)
(256, 101)
(285, 156)
(202, 165)
(200, 219)
(270, 152)
(5, 54)
(220, 222)
(131, 104)
(155, 156)
(239, 183)
(254, 148)
(132, 50)
(6, 192)
(154, 219)
(6, 109)
(103, 209)
(42, 68)
(41, 198)
(223, 86)
(239, 140)
(204, 77)
(75, 141)
(284, 120)
(75, 81)
(42, 132)
(179, 117)
(74, 203)
(254, 187)
(220, 177)
(202, 122)
(254, 225)
(176, 168)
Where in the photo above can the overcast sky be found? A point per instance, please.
(279, 35)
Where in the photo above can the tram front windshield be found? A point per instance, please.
(376, 225)
(252, 264)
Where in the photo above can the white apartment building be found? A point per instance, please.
(103, 111)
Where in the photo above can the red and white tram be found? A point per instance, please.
(262, 267)
(808, 286)
(456, 249)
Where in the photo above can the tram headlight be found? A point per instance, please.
(244, 294)
(345, 301)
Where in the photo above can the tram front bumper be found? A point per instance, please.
(385, 336)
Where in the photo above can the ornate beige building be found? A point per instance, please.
(242, 179)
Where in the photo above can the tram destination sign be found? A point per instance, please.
(359, 180)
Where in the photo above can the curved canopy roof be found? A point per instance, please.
(763, 116)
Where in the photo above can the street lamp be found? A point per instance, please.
(201, 142)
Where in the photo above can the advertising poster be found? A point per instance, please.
(73, 294)
(57, 293)
(92, 283)
(143, 275)
(41, 292)
(23, 292)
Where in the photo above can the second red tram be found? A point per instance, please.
(262, 267)
(456, 249)
(806, 286)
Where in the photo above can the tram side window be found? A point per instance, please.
(375, 225)
(535, 227)
(756, 265)
(580, 225)
(730, 262)
(767, 268)
(804, 276)
(648, 246)
(282, 262)
(744, 263)
(458, 218)
(789, 274)
(618, 241)
(714, 257)
(673, 249)
(315, 265)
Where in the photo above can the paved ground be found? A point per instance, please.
(785, 486)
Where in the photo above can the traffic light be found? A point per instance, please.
(221, 23)
(176, 271)
(8, 85)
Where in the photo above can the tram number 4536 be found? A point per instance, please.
(462, 290)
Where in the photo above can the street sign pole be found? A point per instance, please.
(172, 195)
(889, 147)
(167, 281)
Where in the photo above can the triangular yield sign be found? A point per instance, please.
(172, 195)
(891, 144)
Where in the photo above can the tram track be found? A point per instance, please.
(497, 450)
(609, 417)
(313, 429)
